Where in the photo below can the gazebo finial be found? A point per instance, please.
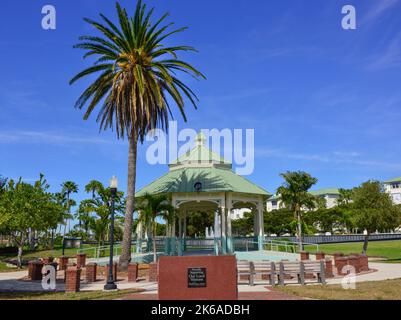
(200, 139)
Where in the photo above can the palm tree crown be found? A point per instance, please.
(137, 73)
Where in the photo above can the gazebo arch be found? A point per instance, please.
(202, 179)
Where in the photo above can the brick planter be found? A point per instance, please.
(363, 263)
(153, 272)
(132, 272)
(304, 255)
(69, 265)
(35, 270)
(353, 261)
(73, 278)
(81, 260)
(106, 271)
(329, 268)
(63, 262)
(320, 256)
(337, 255)
(90, 273)
(340, 263)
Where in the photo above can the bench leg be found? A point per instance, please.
(251, 280)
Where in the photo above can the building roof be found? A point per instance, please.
(201, 165)
(212, 180)
(200, 154)
(320, 192)
(393, 180)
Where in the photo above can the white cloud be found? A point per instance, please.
(52, 138)
(336, 157)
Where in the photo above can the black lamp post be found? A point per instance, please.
(110, 285)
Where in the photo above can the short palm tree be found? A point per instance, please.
(151, 207)
(136, 82)
(68, 188)
(295, 196)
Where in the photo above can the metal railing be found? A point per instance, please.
(289, 246)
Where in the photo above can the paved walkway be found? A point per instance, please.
(17, 282)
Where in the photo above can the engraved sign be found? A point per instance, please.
(196, 277)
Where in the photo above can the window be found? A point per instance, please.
(396, 185)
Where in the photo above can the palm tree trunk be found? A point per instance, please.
(125, 257)
(365, 244)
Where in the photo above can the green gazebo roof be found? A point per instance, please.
(393, 180)
(201, 165)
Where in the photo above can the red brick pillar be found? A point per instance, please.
(363, 262)
(69, 265)
(81, 260)
(106, 271)
(73, 278)
(320, 256)
(353, 261)
(153, 272)
(329, 268)
(337, 255)
(304, 255)
(35, 270)
(132, 272)
(340, 263)
(90, 273)
(63, 262)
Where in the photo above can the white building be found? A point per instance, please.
(239, 213)
(330, 195)
(393, 187)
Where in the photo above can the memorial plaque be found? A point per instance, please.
(196, 277)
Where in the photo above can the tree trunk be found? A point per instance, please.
(125, 257)
(365, 244)
(299, 231)
(19, 258)
(154, 242)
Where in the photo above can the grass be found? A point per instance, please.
(390, 250)
(376, 290)
(90, 295)
(57, 252)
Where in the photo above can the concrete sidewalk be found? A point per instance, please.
(16, 281)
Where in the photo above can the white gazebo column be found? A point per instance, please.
(261, 225)
(180, 246)
(223, 229)
(185, 231)
(230, 241)
(139, 235)
(255, 226)
(216, 232)
(173, 240)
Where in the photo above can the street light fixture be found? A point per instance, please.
(110, 285)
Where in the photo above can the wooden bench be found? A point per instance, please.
(315, 267)
(244, 268)
(262, 268)
(292, 269)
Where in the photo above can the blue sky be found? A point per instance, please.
(321, 99)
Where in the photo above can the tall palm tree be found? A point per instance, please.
(137, 82)
(295, 196)
(150, 207)
(68, 187)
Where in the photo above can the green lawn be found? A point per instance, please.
(376, 290)
(390, 250)
(92, 295)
